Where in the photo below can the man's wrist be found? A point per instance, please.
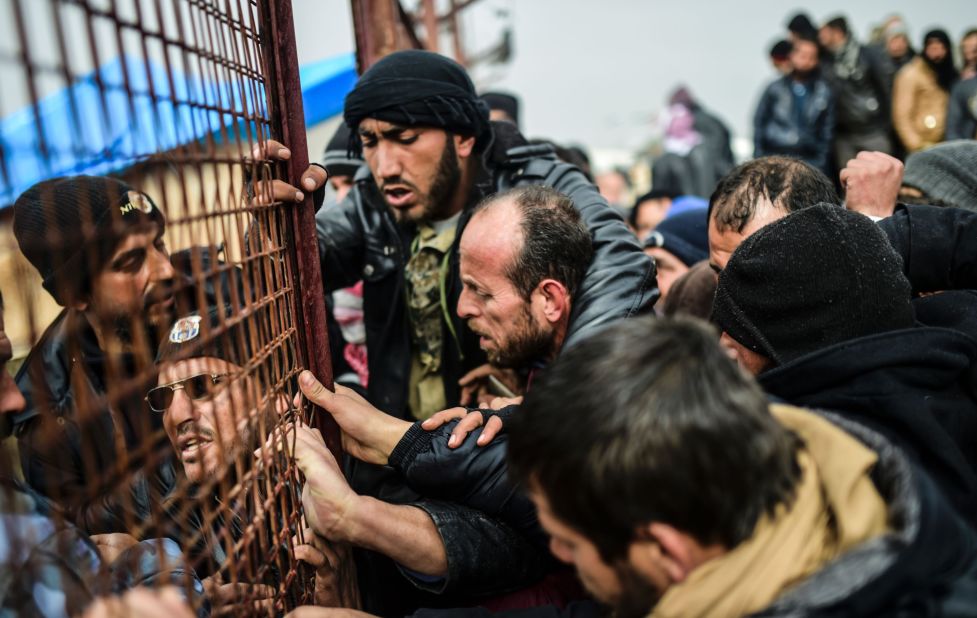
(350, 529)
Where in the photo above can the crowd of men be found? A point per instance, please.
(760, 404)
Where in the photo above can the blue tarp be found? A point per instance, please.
(88, 129)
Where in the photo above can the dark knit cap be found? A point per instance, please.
(194, 336)
(817, 277)
(946, 172)
(801, 25)
(685, 236)
(418, 88)
(68, 228)
(503, 101)
(781, 50)
(336, 158)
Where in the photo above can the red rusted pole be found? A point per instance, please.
(310, 295)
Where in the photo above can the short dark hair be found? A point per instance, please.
(789, 184)
(650, 421)
(555, 242)
(838, 23)
(654, 194)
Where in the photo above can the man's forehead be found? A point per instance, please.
(375, 125)
(141, 236)
(195, 366)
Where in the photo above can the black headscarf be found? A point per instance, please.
(946, 73)
(418, 88)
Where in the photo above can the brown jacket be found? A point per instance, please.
(918, 106)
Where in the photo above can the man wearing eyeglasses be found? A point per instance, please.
(215, 413)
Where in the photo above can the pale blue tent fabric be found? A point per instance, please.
(95, 127)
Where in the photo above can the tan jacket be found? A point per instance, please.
(918, 106)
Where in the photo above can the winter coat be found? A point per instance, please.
(359, 239)
(961, 115)
(918, 106)
(779, 128)
(938, 246)
(914, 386)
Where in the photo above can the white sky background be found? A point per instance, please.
(594, 72)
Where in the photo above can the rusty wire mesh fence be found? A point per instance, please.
(171, 97)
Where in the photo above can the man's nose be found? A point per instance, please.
(161, 265)
(388, 161)
(181, 408)
(466, 308)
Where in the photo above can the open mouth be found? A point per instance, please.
(399, 197)
(191, 447)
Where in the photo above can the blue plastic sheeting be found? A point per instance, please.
(88, 129)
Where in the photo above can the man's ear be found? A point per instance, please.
(676, 556)
(464, 146)
(78, 303)
(556, 300)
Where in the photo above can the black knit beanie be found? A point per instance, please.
(68, 228)
(503, 101)
(418, 88)
(336, 158)
(817, 277)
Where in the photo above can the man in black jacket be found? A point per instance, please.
(795, 115)
(837, 330)
(857, 75)
(98, 245)
(431, 155)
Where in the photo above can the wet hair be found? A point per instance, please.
(789, 184)
(652, 422)
(555, 242)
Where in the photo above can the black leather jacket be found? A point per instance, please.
(359, 239)
(862, 97)
(779, 128)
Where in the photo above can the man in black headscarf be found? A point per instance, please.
(431, 155)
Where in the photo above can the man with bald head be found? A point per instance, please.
(522, 258)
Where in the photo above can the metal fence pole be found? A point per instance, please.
(287, 95)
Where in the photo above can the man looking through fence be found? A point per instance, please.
(50, 568)
(98, 246)
(215, 414)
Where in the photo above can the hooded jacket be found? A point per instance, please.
(914, 386)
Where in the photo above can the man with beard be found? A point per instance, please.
(795, 115)
(215, 412)
(431, 155)
(97, 244)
